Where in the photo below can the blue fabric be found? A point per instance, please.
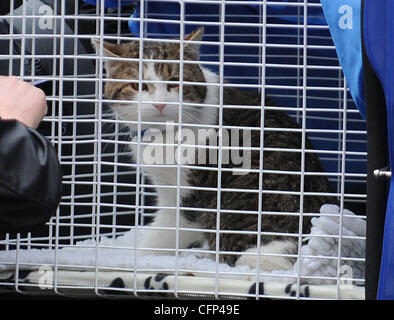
(110, 3)
(379, 44)
(211, 13)
(344, 20)
(206, 13)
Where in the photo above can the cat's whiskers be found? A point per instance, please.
(194, 119)
(108, 127)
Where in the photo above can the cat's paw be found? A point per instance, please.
(198, 249)
(268, 262)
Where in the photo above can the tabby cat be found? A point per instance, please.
(273, 205)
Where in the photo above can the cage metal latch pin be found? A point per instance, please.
(382, 173)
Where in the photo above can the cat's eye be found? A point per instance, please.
(135, 86)
(172, 85)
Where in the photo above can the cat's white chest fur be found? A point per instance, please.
(171, 184)
(165, 161)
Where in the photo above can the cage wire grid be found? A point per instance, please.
(107, 196)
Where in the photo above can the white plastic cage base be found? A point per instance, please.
(142, 284)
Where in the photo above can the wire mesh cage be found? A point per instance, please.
(128, 224)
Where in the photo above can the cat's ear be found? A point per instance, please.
(191, 48)
(195, 35)
(109, 50)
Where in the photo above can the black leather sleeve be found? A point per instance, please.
(30, 178)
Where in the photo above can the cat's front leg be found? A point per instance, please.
(163, 236)
(158, 242)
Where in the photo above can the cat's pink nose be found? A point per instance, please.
(159, 107)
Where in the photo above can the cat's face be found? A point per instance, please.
(159, 102)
